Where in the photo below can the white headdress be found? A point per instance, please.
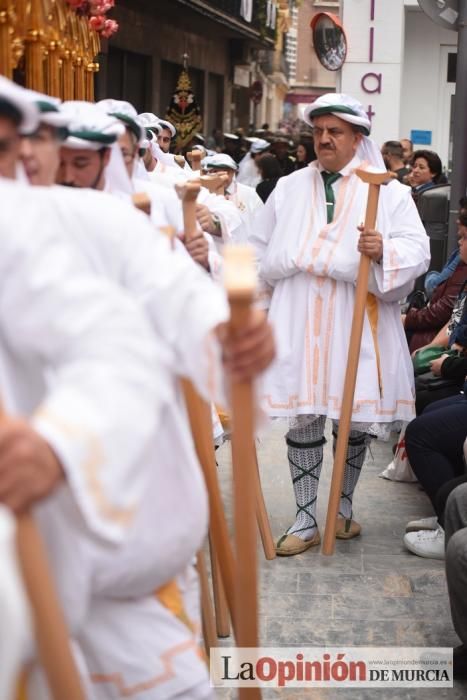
(17, 97)
(352, 111)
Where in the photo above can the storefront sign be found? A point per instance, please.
(422, 138)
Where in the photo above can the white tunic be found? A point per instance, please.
(248, 204)
(310, 269)
(183, 306)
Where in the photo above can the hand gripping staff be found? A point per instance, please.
(50, 630)
(240, 283)
(374, 180)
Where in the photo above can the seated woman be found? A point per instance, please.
(452, 336)
(427, 172)
(422, 325)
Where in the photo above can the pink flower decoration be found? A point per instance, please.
(97, 22)
(110, 28)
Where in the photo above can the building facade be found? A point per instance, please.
(402, 66)
(308, 78)
(231, 48)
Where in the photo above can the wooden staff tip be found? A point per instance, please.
(239, 270)
(380, 178)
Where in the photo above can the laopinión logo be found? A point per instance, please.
(371, 667)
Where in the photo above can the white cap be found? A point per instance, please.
(167, 125)
(148, 120)
(219, 161)
(339, 105)
(126, 113)
(50, 111)
(90, 127)
(17, 97)
(259, 146)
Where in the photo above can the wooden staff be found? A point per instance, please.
(240, 283)
(51, 634)
(199, 415)
(374, 180)
(220, 602)
(262, 518)
(188, 193)
(195, 157)
(207, 613)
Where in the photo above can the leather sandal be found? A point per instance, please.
(288, 545)
(347, 529)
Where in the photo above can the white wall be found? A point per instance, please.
(423, 99)
(388, 46)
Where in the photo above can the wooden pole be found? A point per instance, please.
(262, 518)
(49, 623)
(199, 415)
(220, 602)
(207, 612)
(240, 285)
(375, 181)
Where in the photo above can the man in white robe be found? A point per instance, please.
(308, 240)
(244, 197)
(185, 310)
(248, 173)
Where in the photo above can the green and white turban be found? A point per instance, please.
(352, 111)
(220, 161)
(16, 97)
(50, 111)
(163, 124)
(127, 114)
(90, 127)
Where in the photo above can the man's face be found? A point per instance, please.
(164, 139)
(40, 155)
(9, 148)
(82, 167)
(129, 149)
(335, 142)
(407, 150)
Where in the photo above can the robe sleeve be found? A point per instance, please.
(104, 390)
(182, 302)
(406, 250)
(264, 223)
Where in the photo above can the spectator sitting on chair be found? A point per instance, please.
(434, 278)
(421, 325)
(427, 172)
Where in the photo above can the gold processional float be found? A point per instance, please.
(51, 45)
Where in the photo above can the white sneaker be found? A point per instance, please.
(422, 524)
(426, 543)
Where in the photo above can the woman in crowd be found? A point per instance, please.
(270, 172)
(305, 154)
(427, 172)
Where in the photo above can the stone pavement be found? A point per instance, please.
(371, 593)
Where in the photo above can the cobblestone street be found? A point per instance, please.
(371, 593)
